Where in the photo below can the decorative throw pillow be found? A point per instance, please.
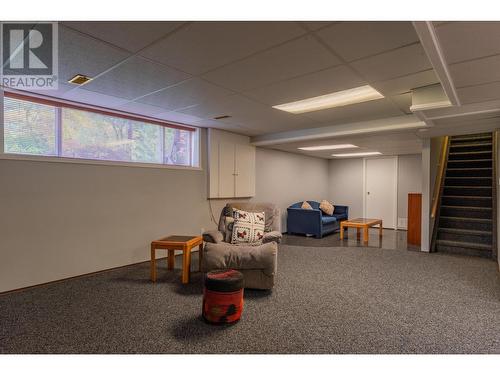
(248, 227)
(306, 206)
(228, 228)
(326, 207)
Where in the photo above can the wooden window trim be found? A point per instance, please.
(95, 109)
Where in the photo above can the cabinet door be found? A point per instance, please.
(226, 170)
(244, 171)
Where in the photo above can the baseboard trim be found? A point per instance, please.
(76, 277)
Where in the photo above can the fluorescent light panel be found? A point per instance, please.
(327, 147)
(336, 99)
(357, 154)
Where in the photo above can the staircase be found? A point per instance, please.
(467, 212)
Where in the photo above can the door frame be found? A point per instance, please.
(395, 187)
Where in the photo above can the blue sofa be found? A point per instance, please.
(301, 221)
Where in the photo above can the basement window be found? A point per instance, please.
(44, 128)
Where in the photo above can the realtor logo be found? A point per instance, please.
(29, 55)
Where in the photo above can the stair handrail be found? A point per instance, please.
(440, 176)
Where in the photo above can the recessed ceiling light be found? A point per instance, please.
(357, 154)
(335, 99)
(80, 79)
(327, 147)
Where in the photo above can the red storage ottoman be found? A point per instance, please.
(223, 297)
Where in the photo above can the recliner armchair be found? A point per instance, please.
(258, 263)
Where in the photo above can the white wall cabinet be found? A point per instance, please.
(231, 165)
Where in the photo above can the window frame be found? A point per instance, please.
(194, 135)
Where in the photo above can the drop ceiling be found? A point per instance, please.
(191, 72)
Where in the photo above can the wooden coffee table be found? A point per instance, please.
(172, 243)
(360, 223)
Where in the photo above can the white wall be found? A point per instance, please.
(346, 183)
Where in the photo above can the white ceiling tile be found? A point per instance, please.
(131, 36)
(480, 93)
(247, 113)
(289, 60)
(187, 93)
(79, 54)
(182, 118)
(354, 40)
(202, 46)
(81, 95)
(57, 93)
(307, 86)
(469, 40)
(404, 84)
(396, 63)
(403, 102)
(135, 77)
(142, 109)
(371, 110)
(397, 143)
(476, 72)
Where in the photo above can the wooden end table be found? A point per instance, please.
(360, 223)
(172, 243)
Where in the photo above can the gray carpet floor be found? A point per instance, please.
(327, 300)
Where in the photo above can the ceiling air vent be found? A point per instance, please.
(80, 79)
(221, 117)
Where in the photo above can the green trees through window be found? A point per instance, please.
(29, 128)
(34, 129)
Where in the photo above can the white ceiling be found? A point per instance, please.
(191, 72)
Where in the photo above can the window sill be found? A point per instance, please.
(108, 163)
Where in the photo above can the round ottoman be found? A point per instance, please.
(223, 297)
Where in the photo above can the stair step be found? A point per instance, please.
(469, 172)
(474, 144)
(469, 163)
(468, 155)
(470, 232)
(471, 245)
(463, 248)
(468, 138)
(465, 223)
(470, 152)
(479, 191)
(467, 219)
(468, 181)
(465, 211)
(465, 235)
(461, 200)
(471, 208)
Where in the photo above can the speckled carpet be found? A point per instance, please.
(327, 300)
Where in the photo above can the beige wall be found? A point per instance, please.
(60, 220)
(346, 182)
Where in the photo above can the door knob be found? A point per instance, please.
(368, 193)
